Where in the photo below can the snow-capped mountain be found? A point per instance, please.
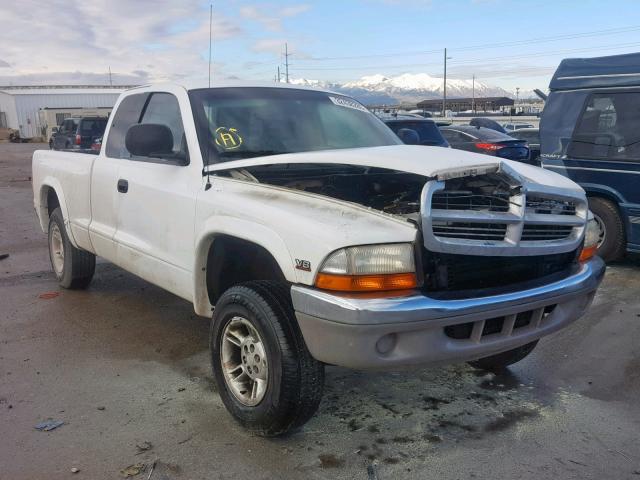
(406, 88)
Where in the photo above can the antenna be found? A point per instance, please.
(207, 185)
(210, 35)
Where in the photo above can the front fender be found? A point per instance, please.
(245, 230)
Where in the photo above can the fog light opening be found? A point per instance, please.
(386, 343)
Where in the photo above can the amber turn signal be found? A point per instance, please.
(588, 252)
(366, 283)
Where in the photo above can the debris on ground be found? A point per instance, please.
(75, 470)
(49, 425)
(101, 407)
(3, 256)
(143, 447)
(372, 471)
(153, 466)
(48, 295)
(133, 470)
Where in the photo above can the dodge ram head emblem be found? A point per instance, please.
(303, 265)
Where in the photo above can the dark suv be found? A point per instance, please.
(79, 133)
(416, 131)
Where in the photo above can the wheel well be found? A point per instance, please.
(52, 201)
(231, 261)
(610, 198)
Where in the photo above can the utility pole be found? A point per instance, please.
(279, 75)
(286, 62)
(444, 92)
(473, 93)
(110, 81)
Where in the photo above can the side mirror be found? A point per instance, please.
(409, 136)
(149, 140)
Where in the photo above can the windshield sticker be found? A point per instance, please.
(345, 102)
(228, 138)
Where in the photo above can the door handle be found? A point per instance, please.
(123, 186)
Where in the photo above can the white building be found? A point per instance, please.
(20, 106)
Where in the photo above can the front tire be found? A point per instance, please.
(74, 268)
(266, 377)
(500, 361)
(612, 244)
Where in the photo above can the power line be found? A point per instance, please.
(568, 36)
(475, 61)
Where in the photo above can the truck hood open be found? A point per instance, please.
(430, 162)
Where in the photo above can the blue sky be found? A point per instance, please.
(376, 27)
(503, 42)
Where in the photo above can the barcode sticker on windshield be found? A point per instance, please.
(346, 102)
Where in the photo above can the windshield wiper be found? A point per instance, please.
(248, 153)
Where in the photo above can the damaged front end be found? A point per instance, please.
(389, 191)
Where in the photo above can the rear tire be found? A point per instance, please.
(74, 268)
(614, 244)
(496, 363)
(257, 318)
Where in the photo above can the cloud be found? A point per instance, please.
(164, 39)
(271, 45)
(4, 64)
(272, 21)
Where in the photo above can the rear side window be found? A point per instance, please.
(455, 136)
(94, 126)
(127, 114)
(608, 128)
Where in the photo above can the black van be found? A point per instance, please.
(590, 132)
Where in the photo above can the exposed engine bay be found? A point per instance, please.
(387, 190)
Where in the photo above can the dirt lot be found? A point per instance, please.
(125, 363)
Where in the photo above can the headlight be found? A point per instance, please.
(369, 268)
(591, 238)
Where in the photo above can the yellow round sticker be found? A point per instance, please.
(228, 138)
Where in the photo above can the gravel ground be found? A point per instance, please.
(124, 365)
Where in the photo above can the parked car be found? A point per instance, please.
(79, 133)
(416, 131)
(511, 127)
(319, 238)
(532, 137)
(590, 132)
(54, 132)
(487, 141)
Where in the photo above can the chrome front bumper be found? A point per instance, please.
(359, 332)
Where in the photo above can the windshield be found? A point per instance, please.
(242, 122)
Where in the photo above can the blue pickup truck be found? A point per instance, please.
(590, 132)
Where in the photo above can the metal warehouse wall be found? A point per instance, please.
(27, 106)
(8, 107)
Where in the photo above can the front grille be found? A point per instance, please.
(444, 272)
(467, 200)
(471, 231)
(505, 326)
(494, 214)
(545, 232)
(550, 206)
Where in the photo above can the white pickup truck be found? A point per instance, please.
(312, 236)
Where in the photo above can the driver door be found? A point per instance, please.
(157, 199)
